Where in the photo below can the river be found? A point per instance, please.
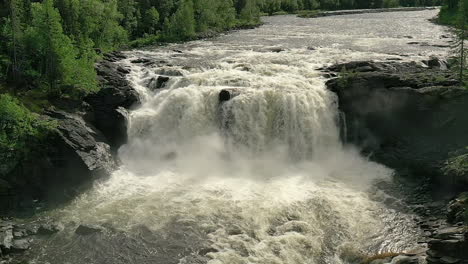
(261, 178)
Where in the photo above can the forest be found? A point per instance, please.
(48, 48)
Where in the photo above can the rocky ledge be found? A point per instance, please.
(82, 148)
(408, 116)
(412, 117)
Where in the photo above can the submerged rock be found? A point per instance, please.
(457, 208)
(86, 230)
(49, 228)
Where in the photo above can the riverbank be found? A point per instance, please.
(412, 118)
(314, 13)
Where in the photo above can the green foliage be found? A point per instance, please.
(457, 166)
(458, 47)
(181, 25)
(214, 15)
(345, 78)
(51, 46)
(447, 16)
(390, 3)
(249, 14)
(293, 6)
(151, 20)
(308, 13)
(53, 55)
(20, 133)
(145, 41)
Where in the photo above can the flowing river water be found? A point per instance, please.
(262, 178)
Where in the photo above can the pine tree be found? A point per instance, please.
(460, 33)
(151, 20)
(181, 25)
(55, 56)
(250, 13)
(16, 24)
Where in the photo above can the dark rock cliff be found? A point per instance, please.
(406, 116)
(82, 148)
(414, 118)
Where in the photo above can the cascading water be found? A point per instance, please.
(260, 178)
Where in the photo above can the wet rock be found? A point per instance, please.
(276, 49)
(381, 261)
(228, 94)
(449, 233)
(20, 245)
(437, 63)
(18, 233)
(158, 82)
(405, 260)
(205, 251)
(457, 208)
(433, 253)
(432, 260)
(455, 248)
(114, 56)
(86, 230)
(449, 260)
(123, 70)
(6, 239)
(172, 72)
(49, 228)
(116, 93)
(83, 152)
(140, 60)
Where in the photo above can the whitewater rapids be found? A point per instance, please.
(261, 178)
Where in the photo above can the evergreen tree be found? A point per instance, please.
(128, 8)
(53, 54)
(459, 48)
(226, 14)
(181, 25)
(250, 13)
(16, 23)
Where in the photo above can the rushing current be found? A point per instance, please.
(262, 178)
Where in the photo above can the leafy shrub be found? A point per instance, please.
(20, 133)
(308, 13)
(457, 167)
(390, 3)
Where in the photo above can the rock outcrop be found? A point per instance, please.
(81, 149)
(109, 105)
(412, 117)
(406, 115)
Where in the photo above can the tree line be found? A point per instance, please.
(272, 6)
(52, 45)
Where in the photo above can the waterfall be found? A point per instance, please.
(258, 177)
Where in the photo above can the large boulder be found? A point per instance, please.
(110, 103)
(80, 155)
(75, 155)
(405, 114)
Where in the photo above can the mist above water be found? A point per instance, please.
(261, 178)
